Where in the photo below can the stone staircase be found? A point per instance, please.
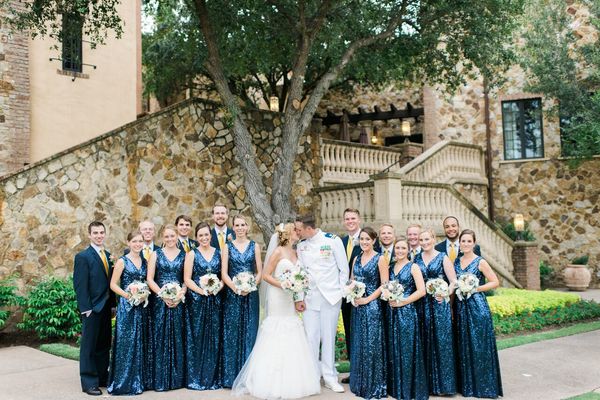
(423, 190)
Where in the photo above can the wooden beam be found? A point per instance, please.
(378, 115)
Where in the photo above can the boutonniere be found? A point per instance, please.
(112, 259)
(192, 245)
(393, 261)
(229, 237)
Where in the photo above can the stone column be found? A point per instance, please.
(431, 127)
(526, 262)
(386, 194)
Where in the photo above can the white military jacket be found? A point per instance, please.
(324, 258)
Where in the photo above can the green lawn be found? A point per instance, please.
(554, 334)
(61, 350)
(586, 396)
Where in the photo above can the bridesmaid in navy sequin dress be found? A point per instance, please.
(166, 265)
(131, 364)
(437, 319)
(204, 316)
(240, 319)
(367, 351)
(479, 369)
(406, 361)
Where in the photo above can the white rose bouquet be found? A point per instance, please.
(138, 293)
(438, 287)
(294, 281)
(210, 283)
(245, 282)
(354, 290)
(169, 291)
(466, 285)
(392, 291)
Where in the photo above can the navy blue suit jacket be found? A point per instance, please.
(379, 248)
(214, 239)
(92, 286)
(441, 247)
(356, 250)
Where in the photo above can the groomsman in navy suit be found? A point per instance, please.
(412, 237)
(220, 232)
(148, 231)
(91, 277)
(183, 223)
(350, 241)
(450, 245)
(385, 243)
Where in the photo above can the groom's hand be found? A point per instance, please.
(300, 306)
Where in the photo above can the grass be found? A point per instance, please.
(342, 366)
(586, 396)
(554, 334)
(61, 350)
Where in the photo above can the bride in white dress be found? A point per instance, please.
(281, 365)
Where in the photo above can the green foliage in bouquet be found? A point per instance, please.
(8, 297)
(50, 309)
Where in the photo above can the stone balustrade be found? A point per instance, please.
(391, 199)
(345, 162)
(448, 162)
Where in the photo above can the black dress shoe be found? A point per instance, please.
(93, 391)
(346, 380)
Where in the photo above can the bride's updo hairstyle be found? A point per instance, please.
(284, 233)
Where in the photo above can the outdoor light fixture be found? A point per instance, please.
(374, 139)
(405, 128)
(519, 223)
(274, 103)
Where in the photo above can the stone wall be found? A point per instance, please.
(177, 161)
(14, 99)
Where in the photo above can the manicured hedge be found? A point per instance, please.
(507, 302)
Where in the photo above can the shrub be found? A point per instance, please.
(508, 302)
(546, 273)
(8, 298)
(50, 309)
(581, 260)
(509, 229)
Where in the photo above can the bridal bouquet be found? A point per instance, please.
(466, 285)
(354, 290)
(138, 293)
(392, 291)
(210, 283)
(438, 287)
(294, 281)
(169, 291)
(245, 282)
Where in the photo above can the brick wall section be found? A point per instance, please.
(14, 100)
(526, 261)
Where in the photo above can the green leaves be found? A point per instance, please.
(50, 309)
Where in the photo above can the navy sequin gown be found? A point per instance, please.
(478, 366)
(437, 333)
(169, 327)
(240, 320)
(367, 351)
(131, 364)
(203, 329)
(407, 378)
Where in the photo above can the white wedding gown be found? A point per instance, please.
(281, 365)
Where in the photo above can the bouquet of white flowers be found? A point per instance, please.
(392, 291)
(245, 282)
(466, 285)
(354, 290)
(169, 291)
(138, 293)
(438, 287)
(294, 281)
(210, 283)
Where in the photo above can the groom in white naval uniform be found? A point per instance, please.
(324, 257)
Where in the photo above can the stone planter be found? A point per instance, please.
(577, 277)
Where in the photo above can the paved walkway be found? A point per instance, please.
(549, 370)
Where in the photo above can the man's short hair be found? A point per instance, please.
(183, 217)
(220, 205)
(307, 220)
(388, 225)
(95, 224)
(448, 217)
(351, 210)
(414, 226)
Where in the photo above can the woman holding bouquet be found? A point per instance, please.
(131, 364)
(241, 305)
(437, 319)
(367, 351)
(479, 369)
(204, 313)
(406, 359)
(165, 278)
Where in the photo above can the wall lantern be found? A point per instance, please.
(405, 128)
(274, 103)
(519, 223)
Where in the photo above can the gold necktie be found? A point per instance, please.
(386, 255)
(452, 254)
(146, 252)
(104, 260)
(414, 254)
(221, 240)
(349, 247)
(186, 245)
